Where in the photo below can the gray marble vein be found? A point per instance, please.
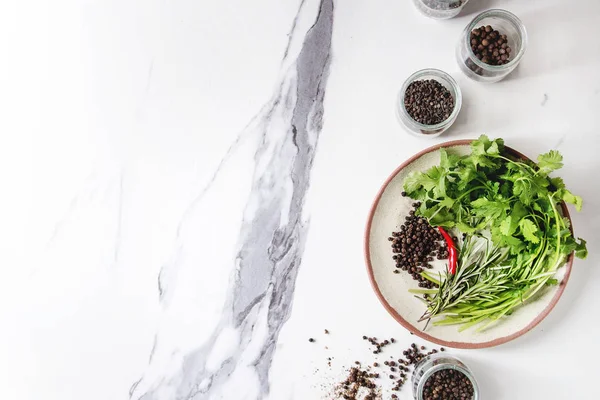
(271, 238)
(292, 31)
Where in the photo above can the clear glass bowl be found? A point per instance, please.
(423, 130)
(436, 362)
(507, 24)
(440, 9)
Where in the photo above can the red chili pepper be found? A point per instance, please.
(452, 253)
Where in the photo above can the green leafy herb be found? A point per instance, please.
(516, 238)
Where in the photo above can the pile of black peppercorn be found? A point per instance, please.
(359, 379)
(428, 101)
(448, 384)
(416, 245)
(490, 46)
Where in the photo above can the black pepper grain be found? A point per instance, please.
(489, 46)
(414, 245)
(448, 384)
(428, 101)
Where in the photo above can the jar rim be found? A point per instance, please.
(508, 16)
(448, 1)
(456, 94)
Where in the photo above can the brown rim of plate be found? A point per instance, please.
(417, 331)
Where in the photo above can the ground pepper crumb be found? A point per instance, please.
(358, 380)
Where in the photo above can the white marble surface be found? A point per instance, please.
(166, 235)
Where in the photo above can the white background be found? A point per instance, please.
(114, 113)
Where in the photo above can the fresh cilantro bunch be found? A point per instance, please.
(516, 237)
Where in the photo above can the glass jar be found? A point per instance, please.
(437, 362)
(440, 9)
(507, 24)
(423, 130)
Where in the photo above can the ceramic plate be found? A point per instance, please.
(387, 214)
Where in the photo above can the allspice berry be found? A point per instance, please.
(490, 46)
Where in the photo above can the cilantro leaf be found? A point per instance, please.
(466, 175)
(484, 145)
(494, 148)
(414, 181)
(522, 189)
(448, 160)
(569, 197)
(543, 205)
(539, 186)
(528, 229)
(479, 146)
(558, 183)
(505, 226)
(549, 162)
(569, 245)
(581, 249)
(489, 209)
(517, 213)
(481, 161)
(448, 202)
(438, 180)
(443, 218)
(515, 244)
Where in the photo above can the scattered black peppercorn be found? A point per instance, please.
(361, 380)
(311, 340)
(428, 101)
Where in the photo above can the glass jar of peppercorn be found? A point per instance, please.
(491, 46)
(440, 376)
(440, 9)
(428, 103)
